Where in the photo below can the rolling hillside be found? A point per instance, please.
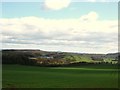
(34, 57)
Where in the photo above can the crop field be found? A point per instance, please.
(85, 76)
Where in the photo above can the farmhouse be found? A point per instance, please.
(43, 56)
(47, 57)
(33, 58)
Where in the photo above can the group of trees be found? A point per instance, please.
(14, 57)
(17, 57)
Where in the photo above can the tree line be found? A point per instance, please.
(13, 57)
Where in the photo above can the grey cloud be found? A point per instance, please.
(97, 37)
(35, 35)
(60, 38)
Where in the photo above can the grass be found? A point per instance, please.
(77, 58)
(97, 76)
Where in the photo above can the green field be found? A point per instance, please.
(97, 76)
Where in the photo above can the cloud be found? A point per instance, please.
(57, 4)
(86, 33)
(92, 16)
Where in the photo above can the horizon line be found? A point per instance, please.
(58, 51)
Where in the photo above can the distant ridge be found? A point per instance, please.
(117, 53)
(40, 57)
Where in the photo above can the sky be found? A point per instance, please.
(56, 25)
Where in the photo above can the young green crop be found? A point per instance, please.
(89, 76)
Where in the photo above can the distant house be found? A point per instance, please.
(44, 57)
(33, 58)
(47, 57)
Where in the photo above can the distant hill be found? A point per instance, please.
(112, 55)
(40, 57)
